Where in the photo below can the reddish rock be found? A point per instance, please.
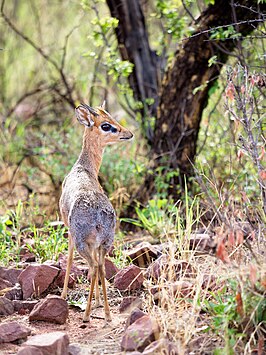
(135, 315)
(140, 334)
(19, 305)
(129, 278)
(36, 279)
(29, 350)
(74, 271)
(6, 307)
(142, 255)
(169, 269)
(10, 275)
(59, 281)
(12, 331)
(46, 344)
(14, 293)
(52, 309)
(161, 346)
(110, 269)
(172, 289)
(130, 302)
(4, 284)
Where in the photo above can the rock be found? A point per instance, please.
(28, 258)
(59, 281)
(134, 315)
(74, 349)
(10, 275)
(12, 331)
(169, 269)
(36, 279)
(4, 284)
(14, 293)
(170, 290)
(6, 307)
(74, 271)
(142, 255)
(29, 350)
(52, 309)
(129, 278)
(19, 306)
(161, 346)
(110, 269)
(55, 343)
(140, 334)
(129, 303)
(202, 243)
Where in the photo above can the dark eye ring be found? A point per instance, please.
(106, 127)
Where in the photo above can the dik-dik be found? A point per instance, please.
(85, 208)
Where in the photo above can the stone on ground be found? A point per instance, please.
(129, 278)
(6, 307)
(10, 275)
(169, 269)
(4, 284)
(110, 269)
(59, 281)
(22, 306)
(161, 346)
(130, 302)
(52, 309)
(55, 343)
(13, 331)
(140, 334)
(14, 293)
(36, 279)
(142, 255)
(134, 315)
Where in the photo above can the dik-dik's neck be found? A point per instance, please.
(91, 153)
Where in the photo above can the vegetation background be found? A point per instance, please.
(189, 80)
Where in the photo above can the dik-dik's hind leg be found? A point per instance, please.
(97, 291)
(102, 254)
(94, 272)
(69, 264)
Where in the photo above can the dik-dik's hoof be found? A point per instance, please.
(64, 295)
(86, 319)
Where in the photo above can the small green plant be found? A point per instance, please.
(235, 313)
(157, 218)
(49, 241)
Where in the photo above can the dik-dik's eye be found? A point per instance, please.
(106, 127)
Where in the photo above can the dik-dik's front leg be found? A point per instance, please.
(69, 264)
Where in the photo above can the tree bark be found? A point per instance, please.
(134, 46)
(180, 107)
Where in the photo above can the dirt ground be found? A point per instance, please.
(94, 338)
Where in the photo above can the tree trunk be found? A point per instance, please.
(186, 84)
(134, 46)
(181, 103)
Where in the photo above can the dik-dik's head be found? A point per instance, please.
(102, 124)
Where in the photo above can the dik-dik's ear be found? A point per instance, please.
(84, 115)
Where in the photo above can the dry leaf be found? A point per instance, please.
(262, 153)
(263, 175)
(252, 274)
(230, 91)
(239, 304)
(221, 253)
(231, 239)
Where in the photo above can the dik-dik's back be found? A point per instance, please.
(85, 208)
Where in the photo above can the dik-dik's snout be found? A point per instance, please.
(127, 136)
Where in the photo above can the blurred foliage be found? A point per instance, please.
(38, 136)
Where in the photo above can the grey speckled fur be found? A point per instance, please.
(90, 215)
